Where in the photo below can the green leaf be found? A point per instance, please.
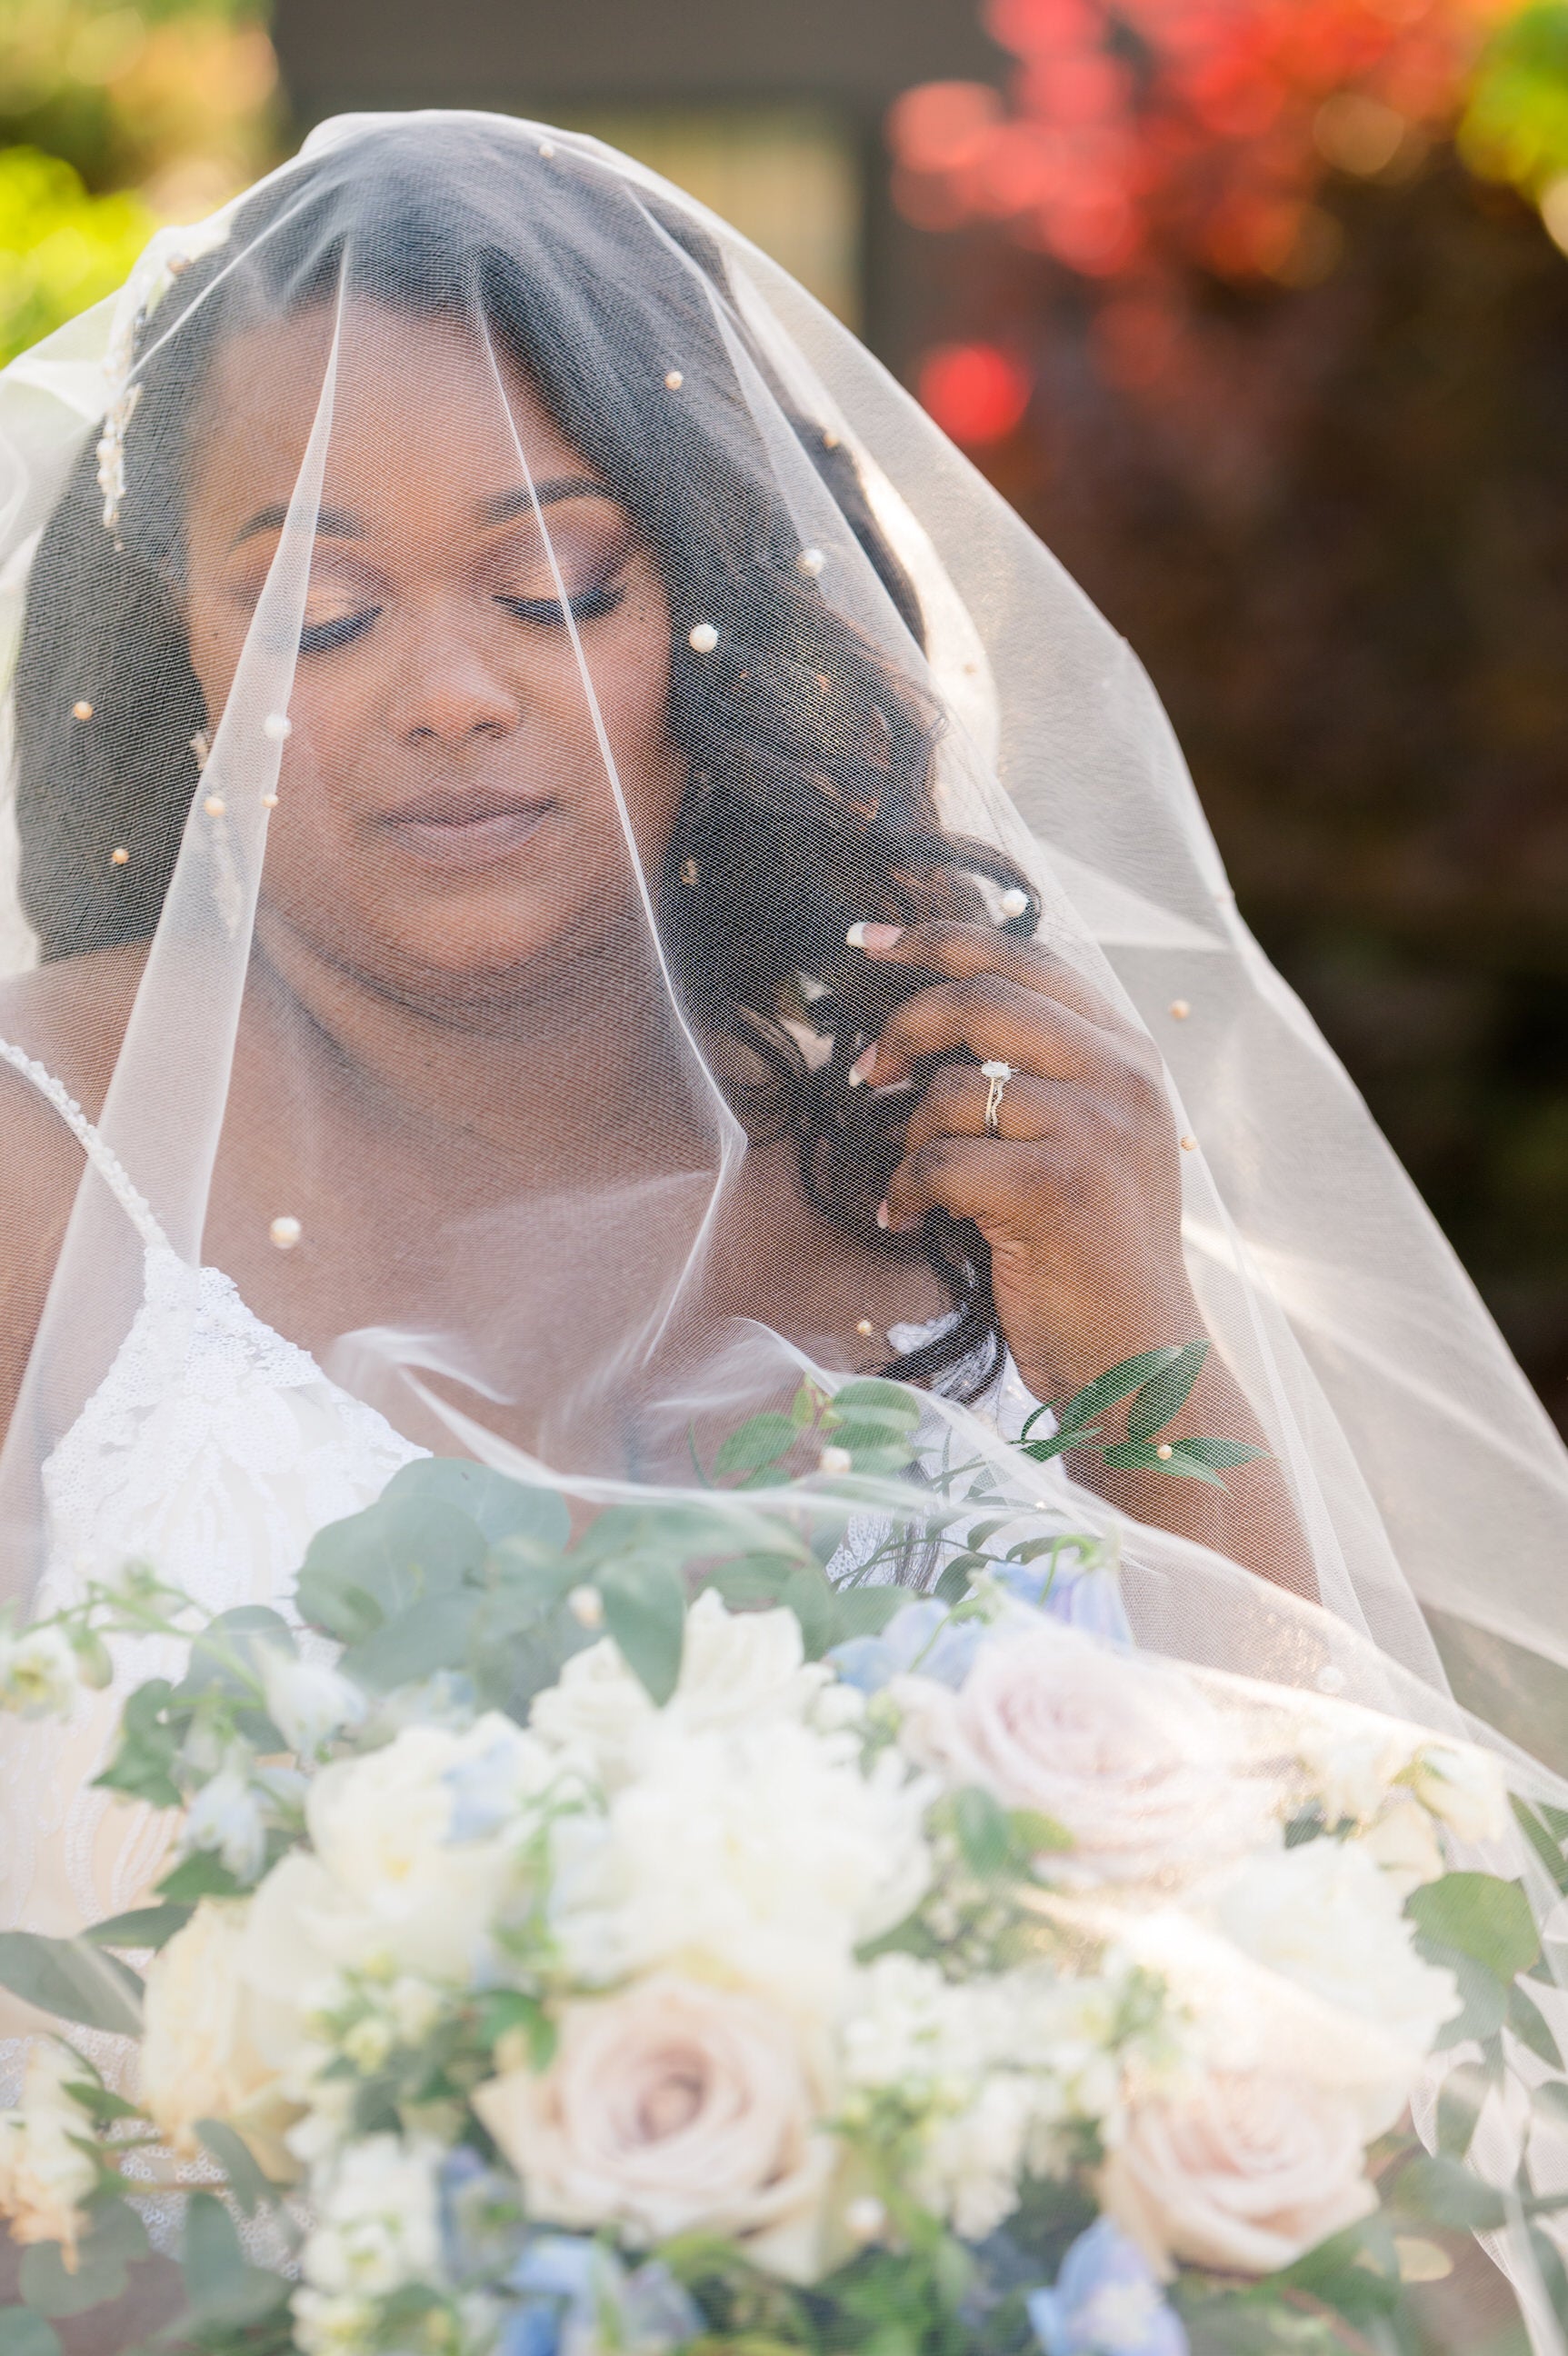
(1540, 1840)
(1165, 1394)
(363, 1571)
(1528, 2025)
(870, 1400)
(1554, 2274)
(1485, 1998)
(145, 1757)
(645, 1612)
(865, 1611)
(502, 1508)
(434, 1633)
(504, 2011)
(250, 2188)
(218, 2283)
(983, 1833)
(144, 1927)
(1482, 1916)
(762, 1440)
(201, 1875)
(245, 1633)
(1033, 1835)
(1115, 1384)
(954, 1585)
(1459, 2103)
(115, 2239)
(1442, 2192)
(25, 2333)
(1355, 2272)
(72, 1980)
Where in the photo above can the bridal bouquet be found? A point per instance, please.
(551, 1963)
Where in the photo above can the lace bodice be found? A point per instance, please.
(212, 1447)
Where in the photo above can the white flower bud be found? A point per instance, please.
(586, 1606)
(308, 1701)
(39, 1673)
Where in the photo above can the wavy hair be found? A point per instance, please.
(810, 801)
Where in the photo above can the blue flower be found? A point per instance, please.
(1106, 2302)
(922, 1636)
(1089, 1600)
(576, 2294)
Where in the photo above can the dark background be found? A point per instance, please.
(1333, 522)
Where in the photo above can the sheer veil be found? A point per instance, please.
(855, 587)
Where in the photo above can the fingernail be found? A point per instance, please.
(882, 1215)
(873, 936)
(862, 1066)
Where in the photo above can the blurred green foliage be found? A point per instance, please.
(114, 118)
(61, 247)
(1516, 124)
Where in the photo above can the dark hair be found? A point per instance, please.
(809, 802)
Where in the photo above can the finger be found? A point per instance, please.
(955, 1100)
(973, 1178)
(991, 1018)
(962, 951)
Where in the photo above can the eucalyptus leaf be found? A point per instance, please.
(431, 1635)
(500, 1508)
(1355, 2272)
(865, 1611)
(220, 2285)
(115, 2240)
(243, 1634)
(1165, 1394)
(1481, 1915)
(144, 1927)
(24, 2332)
(1527, 2023)
(985, 1835)
(248, 2185)
(645, 1612)
(73, 1980)
(1442, 2192)
(203, 1874)
(1459, 2103)
(362, 1571)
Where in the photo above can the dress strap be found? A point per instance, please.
(103, 1157)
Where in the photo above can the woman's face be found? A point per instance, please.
(445, 818)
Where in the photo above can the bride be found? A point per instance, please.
(572, 860)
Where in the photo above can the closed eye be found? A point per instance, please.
(590, 606)
(320, 637)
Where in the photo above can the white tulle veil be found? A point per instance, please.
(1431, 1489)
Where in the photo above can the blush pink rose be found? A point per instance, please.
(1243, 2173)
(669, 2108)
(1127, 1755)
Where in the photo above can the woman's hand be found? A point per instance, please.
(1076, 1192)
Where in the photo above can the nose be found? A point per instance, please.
(453, 693)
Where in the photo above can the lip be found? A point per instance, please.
(467, 827)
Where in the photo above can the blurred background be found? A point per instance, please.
(1257, 309)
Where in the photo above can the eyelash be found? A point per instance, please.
(591, 607)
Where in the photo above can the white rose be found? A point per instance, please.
(308, 1701)
(737, 1669)
(199, 2057)
(1463, 1785)
(45, 2178)
(415, 1856)
(377, 2219)
(673, 2108)
(325, 2326)
(1324, 1916)
(38, 1673)
(1125, 1753)
(1352, 1757)
(1405, 1843)
(1244, 2173)
(769, 1852)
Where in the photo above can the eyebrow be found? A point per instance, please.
(336, 523)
